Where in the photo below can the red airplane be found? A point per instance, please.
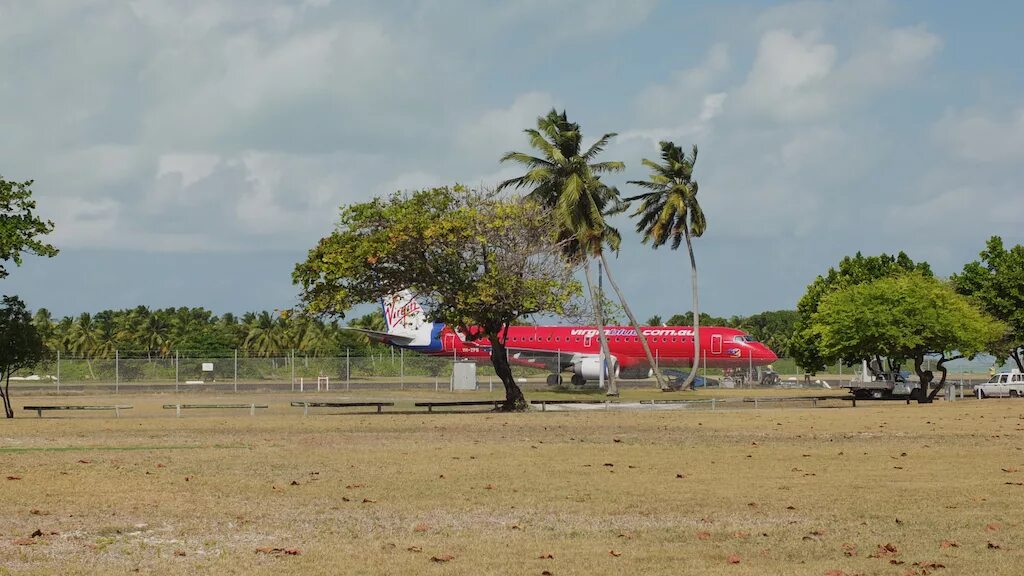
(572, 348)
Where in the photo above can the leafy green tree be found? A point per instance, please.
(669, 210)
(903, 317)
(996, 282)
(20, 228)
(477, 261)
(654, 320)
(567, 181)
(854, 270)
(20, 345)
(774, 328)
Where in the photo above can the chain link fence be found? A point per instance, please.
(359, 369)
(179, 371)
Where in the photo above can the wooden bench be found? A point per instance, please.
(431, 405)
(116, 408)
(544, 403)
(813, 399)
(179, 407)
(307, 405)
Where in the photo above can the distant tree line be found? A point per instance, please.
(774, 328)
(159, 333)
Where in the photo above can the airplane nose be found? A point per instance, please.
(769, 355)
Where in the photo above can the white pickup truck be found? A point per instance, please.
(1002, 384)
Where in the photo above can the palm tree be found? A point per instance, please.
(670, 211)
(264, 335)
(84, 339)
(568, 182)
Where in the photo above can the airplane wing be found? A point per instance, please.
(381, 336)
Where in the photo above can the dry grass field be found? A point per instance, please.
(884, 488)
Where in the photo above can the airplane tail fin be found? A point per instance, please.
(404, 317)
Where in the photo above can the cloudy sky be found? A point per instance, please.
(190, 153)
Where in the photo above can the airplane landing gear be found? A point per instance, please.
(578, 380)
(554, 379)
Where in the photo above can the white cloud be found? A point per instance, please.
(981, 136)
(496, 131)
(800, 78)
(787, 79)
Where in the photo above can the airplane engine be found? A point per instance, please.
(635, 373)
(589, 368)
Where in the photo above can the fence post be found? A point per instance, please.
(293, 369)
(58, 371)
(401, 369)
(236, 369)
(348, 372)
(117, 370)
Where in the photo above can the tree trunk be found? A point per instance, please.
(636, 325)
(88, 363)
(925, 377)
(613, 389)
(514, 399)
(6, 394)
(696, 313)
(941, 365)
(1015, 354)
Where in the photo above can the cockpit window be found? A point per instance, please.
(743, 338)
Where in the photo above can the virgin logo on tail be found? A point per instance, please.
(399, 307)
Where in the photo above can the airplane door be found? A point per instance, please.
(449, 342)
(716, 343)
(587, 341)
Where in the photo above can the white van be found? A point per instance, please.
(1009, 384)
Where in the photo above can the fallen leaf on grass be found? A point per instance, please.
(895, 562)
(421, 527)
(515, 527)
(1011, 470)
(741, 534)
(14, 477)
(85, 461)
(295, 483)
(546, 556)
(993, 527)
(369, 501)
(835, 573)
(733, 559)
(703, 535)
(680, 475)
(547, 573)
(609, 464)
(442, 558)
(179, 553)
(351, 486)
(489, 487)
(626, 535)
(949, 544)
(993, 546)
(885, 550)
(414, 549)
(614, 553)
(849, 549)
(23, 541)
(929, 565)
